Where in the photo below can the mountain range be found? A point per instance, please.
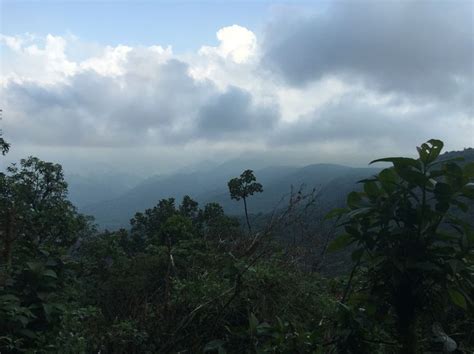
(332, 181)
(113, 201)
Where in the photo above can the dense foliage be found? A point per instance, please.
(186, 278)
(412, 245)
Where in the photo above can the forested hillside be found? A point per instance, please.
(116, 204)
(332, 181)
(187, 277)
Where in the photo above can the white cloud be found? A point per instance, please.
(13, 42)
(237, 43)
(111, 63)
(35, 58)
(53, 55)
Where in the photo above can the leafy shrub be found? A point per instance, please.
(411, 243)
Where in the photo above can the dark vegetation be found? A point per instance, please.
(188, 278)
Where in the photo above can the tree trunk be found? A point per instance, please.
(247, 216)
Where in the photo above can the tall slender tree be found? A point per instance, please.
(242, 187)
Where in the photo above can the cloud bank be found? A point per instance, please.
(345, 83)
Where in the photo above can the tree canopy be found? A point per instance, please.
(187, 278)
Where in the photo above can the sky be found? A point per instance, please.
(152, 87)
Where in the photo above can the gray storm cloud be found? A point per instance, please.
(352, 119)
(234, 114)
(163, 105)
(422, 48)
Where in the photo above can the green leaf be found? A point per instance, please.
(412, 176)
(371, 189)
(215, 345)
(352, 231)
(359, 211)
(353, 199)
(9, 298)
(264, 329)
(436, 147)
(457, 298)
(400, 162)
(456, 265)
(23, 319)
(340, 242)
(253, 323)
(337, 212)
(454, 175)
(281, 325)
(50, 273)
(430, 150)
(27, 333)
(388, 178)
(43, 296)
(35, 266)
(48, 310)
(423, 152)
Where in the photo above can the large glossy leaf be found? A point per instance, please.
(359, 212)
(400, 162)
(9, 298)
(340, 242)
(388, 178)
(50, 273)
(413, 176)
(27, 333)
(264, 329)
(253, 323)
(371, 189)
(337, 212)
(353, 200)
(457, 298)
(35, 267)
(454, 175)
(430, 150)
(215, 345)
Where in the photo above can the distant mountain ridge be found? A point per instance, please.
(85, 190)
(333, 182)
(211, 186)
